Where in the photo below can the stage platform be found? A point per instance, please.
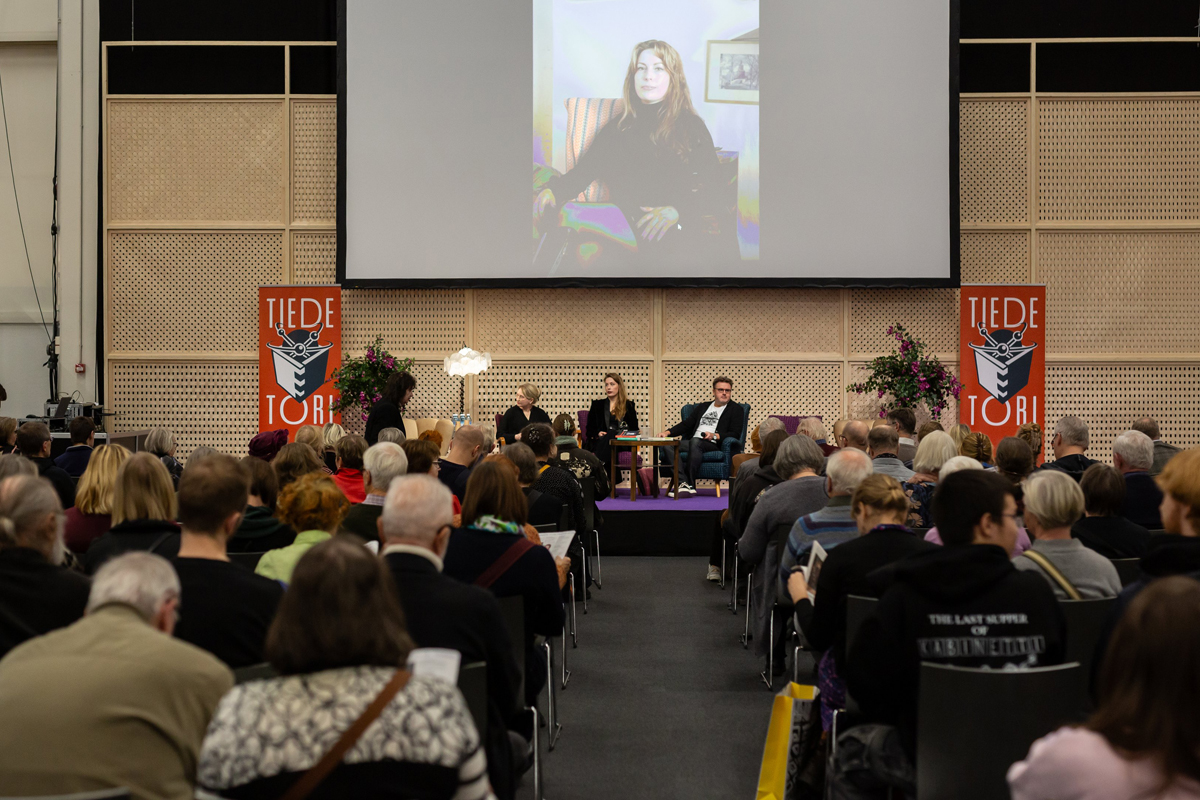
(660, 526)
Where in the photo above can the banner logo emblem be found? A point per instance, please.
(300, 361)
(1002, 362)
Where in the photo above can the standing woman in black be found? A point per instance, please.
(609, 416)
(522, 414)
(388, 412)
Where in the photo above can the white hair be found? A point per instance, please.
(1073, 431)
(811, 427)
(1054, 498)
(160, 441)
(770, 424)
(933, 451)
(1135, 448)
(958, 464)
(385, 461)
(417, 508)
(25, 502)
(142, 581)
(847, 468)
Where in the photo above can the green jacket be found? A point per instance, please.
(278, 564)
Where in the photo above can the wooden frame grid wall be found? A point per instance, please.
(193, 222)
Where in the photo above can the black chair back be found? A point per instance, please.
(513, 611)
(1085, 621)
(957, 755)
(248, 560)
(589, 504)
(254, 672)
(858, 608)
(1129, 570)
(548, 527)
(920, 532)
(564, 519)
(472, 682)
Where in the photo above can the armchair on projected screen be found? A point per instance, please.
(589, 229)
(718, 464)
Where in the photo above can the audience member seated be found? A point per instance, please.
(977, 446)
(443, 612)
(259, 530)
(555, 482)
(813, 429)
(1069, 443)
(295, 460)
(1102, 528)
(37, 594)
(1163, 452)
(882, 446)
(927, 610)
(833, 524)
(388, 411)
(1031, 434)
(143, 513)
(113, 700)
(74, 459)
(12, 464)
(742, 498)
(91, 515)
(1053, 503)
(856, 436)
(958, 433)
(435, 437)
(338, 643)
(424, 459)
(966, 462)
(905, 423)
(1133, 456)
(264, 446)
(382, 463)
(33, 442)
(879, 507)
(751, 465)
(928, 428)
(932, 453)
(314, 507)
(455, 469)
(198, 454)
(522, 414)
(1140, 742)
(544, 508)
(229, 608)
(331, 435)
(391, 436)
(160, 442)
(802, 491)
(312, 436)
(1014, 459)
(8, 435)
(349, 477)
(573, 458)
(490, 550)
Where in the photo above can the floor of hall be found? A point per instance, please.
(663, 702)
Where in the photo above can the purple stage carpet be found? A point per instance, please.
(706, 500)
(661, 526)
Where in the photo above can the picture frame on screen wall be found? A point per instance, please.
(731, 72)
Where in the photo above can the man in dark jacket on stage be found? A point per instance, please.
(964, 604)
(702, 432)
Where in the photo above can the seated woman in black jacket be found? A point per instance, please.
(389, 411)
(608, 416)
(522, 414)
(143, 513)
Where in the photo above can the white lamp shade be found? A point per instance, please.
(467, 362)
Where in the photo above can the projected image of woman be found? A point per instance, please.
(657, 160)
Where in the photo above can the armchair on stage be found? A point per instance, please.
(718, 465)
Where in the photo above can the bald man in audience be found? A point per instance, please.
(455, 467)
(854, 435)
(883, 445)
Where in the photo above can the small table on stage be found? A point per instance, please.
(633, 444)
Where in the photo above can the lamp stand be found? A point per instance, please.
(462, 391)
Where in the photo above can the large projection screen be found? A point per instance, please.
(628, 143)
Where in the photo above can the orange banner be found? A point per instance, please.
(299, 347)
(1002, 357)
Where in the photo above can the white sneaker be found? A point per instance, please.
(714, 573)
(686, 490)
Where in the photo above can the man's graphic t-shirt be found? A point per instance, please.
(708, 422)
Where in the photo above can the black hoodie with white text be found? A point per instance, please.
(964, 605)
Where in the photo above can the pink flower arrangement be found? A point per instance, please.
(360, 381)
(910, 376)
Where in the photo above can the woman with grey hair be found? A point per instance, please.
(932, 454)
(161, 442)
(798, 462)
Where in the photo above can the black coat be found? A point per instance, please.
(1112, 537)
(74, 460)
(443, 612)
(1142, 499)
(514, 420)
(728, 427)
(133, 534)
(384, 414)
(63, 485)
(596, 423)
(36, 596)
(225, 609)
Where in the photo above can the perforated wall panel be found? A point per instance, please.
(931, 315)
(213, 404)
(993, 149)
(868, 405)
(314, 161)
(1128, 159)
(769, 388)
(193, 161)
(564, 321)
(1121, 292)
(1109, 397)
(566, 388)
(412, 322)
(314, 257)
(994, 257)
(189, 291)
(753, 320)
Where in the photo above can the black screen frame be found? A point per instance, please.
(951, 282)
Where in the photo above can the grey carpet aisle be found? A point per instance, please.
(663, 701)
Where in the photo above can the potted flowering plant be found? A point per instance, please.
(910, 376)
(361, 380)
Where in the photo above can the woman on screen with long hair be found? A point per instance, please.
(657, 159)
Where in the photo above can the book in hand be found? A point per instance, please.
(557, 542)
(812, 571)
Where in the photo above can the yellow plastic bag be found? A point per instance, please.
(772, 777)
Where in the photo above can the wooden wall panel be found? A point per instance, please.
(314, 161)
(413, 322)
(994, 256)
(930, 314)
(564, 322)
(566, 387)
(752, 321)
(993, 151)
